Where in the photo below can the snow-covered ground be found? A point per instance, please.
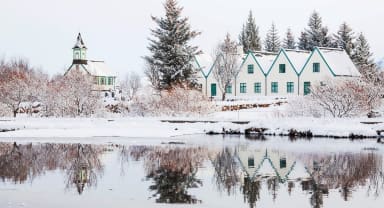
(152, 127)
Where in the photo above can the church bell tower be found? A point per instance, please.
(79, 51)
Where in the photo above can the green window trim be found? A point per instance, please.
(316, 67)
(257, 87)
(250, 68)
(281, 68)
(307, 88)
(243, 87)
(274, 87)
(110, 80)
(228, 89)
(290, 87)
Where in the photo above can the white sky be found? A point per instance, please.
(116, 31)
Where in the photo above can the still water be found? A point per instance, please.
(214, 172)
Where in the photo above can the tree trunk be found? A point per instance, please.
(14, 113)
(223, 96)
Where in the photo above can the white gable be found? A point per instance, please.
(297, 58)
(339, 62)
(98, 68)
(265, 60)
(205, 62)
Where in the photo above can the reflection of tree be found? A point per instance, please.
(251, 191)
(19, 163)
(173, 171)
(226, 170)
(273, 186)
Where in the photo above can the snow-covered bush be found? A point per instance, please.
(346, 98)
(177, 101)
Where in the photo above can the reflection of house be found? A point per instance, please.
(104, 77)
(259, 163)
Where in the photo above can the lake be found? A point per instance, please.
(196, 170)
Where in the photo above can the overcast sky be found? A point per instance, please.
(116, 31)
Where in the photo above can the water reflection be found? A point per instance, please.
(81, 163)
(173, 170)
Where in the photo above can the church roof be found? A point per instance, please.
(98, 68)
(79, 42)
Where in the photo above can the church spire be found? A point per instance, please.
(79, 51)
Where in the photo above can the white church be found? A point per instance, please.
(282, 74)
(104, 77)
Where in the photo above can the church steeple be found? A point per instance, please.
(79, 51)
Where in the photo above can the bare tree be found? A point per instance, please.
(227, 63)
(130, 85)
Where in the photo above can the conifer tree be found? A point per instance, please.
(361, 55)
(289, 41)
(249, 37)
(304, 42)
(316, 34)
(344, 38)
(272, 41)
(171, 54)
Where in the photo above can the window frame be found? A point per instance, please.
(274, 87)
(257, 87)
(251, 69)
(243, 88)
(290, 87)
(282, 68)
(316, 67)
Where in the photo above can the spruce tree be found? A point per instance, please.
(272, 41)
(317, 35)
(171, 54)
(304, 42)
(249, 37)
(361, 55)
(344, 38)
(289, 41)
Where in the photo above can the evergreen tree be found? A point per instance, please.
(344, 38)
(304, 41)
(171, 55)
(361, 55)
(317, 35)
(249, 36)
(272, 41)
(289, 41)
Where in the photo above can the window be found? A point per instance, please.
(110, 80)
(243, 87)
(77, 55)
(316, 67)
(228, 89)
(257, 87)
(213, 89)
(283, 162)
(102, 81)
(251, 162)
(250, 69)
(290, 87)
(307, 88)
(281, 68)
(274, 87)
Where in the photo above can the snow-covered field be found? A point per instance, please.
(152, 127)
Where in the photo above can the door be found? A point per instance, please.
(213, 90)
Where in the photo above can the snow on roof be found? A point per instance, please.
(298, 58)
(339, 62)
(205, 62)
(98, 68)
(265, 60)
(79, 42)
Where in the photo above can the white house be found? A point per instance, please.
(326, 64)
(288, 73)
(104, 77)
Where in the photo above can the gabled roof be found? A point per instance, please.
(265, 60)
(282, 52)
(297, 58)
(98, 68)
(339, 62)
(79, 42)
(204, 63)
